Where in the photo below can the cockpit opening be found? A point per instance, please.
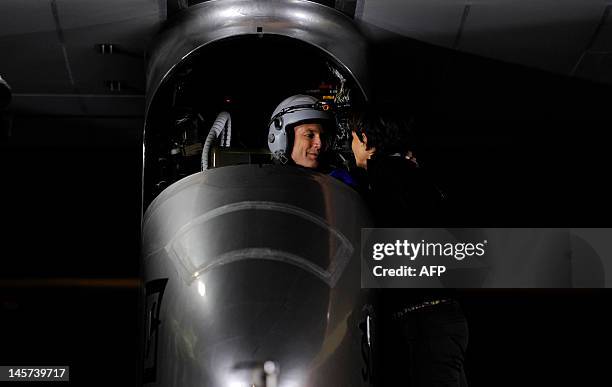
(246, 77)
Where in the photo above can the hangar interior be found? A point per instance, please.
(513, 146)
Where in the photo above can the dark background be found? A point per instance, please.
(511, 146)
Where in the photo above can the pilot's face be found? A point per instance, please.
(307, 145)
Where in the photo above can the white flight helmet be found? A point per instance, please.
(293, 110)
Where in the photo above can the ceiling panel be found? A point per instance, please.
(87, 13)
(91, 69)
(596, 62)
(51, 55)
(433, 21)
(602, 39)
(18, 17)
(34, 62)
(546, 34)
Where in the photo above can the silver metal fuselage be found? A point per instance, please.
(259, 263)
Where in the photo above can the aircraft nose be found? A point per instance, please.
(236, 294)
(267, 312)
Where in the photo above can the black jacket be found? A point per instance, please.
(400, 194)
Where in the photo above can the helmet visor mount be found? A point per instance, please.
(277, 120)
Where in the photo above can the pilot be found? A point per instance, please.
(298, 131)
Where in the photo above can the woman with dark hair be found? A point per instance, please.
(398, 191)
(423, 337)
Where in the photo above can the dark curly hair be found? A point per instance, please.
(389, 131)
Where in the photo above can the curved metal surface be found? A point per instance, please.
(318, 25)
(260, 263)
(181, 244)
